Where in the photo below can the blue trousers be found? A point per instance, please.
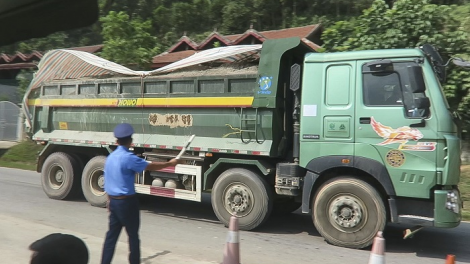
(123, 213)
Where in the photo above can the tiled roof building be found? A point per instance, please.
(185, 47)
(10, 65)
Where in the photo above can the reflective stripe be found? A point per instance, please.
(233, 237)
(376, 259)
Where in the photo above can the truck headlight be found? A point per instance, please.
(453, 201)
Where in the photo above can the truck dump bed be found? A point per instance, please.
(78, 98)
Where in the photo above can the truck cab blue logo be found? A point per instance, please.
(264, 85)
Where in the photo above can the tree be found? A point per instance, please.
(408, 24)
(189, 17)
(24, 78)
(129, 42)
(237, 17)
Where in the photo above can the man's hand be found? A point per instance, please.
(155, 165)
(174, 162)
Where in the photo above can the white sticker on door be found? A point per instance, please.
(310, 110)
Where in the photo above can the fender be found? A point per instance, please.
(317, 166)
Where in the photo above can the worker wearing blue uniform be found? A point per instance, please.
(123, 205)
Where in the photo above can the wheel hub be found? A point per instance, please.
(97, 182)
(56, 177)
(346, 211)
(59, 176)
(101, 182)
(238, 200)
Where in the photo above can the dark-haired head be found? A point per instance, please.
(59, 249)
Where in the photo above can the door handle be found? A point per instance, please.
(364, 120)
(422, 123)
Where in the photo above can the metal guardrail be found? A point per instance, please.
(9, 121)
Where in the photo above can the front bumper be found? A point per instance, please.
(446, 211)
(447, 208)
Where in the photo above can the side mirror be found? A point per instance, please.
(415, 74)
(461, 63)
(379, 65)
(422, 103)
(437, 61)
(420, 108)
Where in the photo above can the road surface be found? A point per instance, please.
(176, 231)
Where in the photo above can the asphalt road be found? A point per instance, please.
(176, 231)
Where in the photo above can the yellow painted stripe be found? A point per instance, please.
(113, 102)
(73, 102)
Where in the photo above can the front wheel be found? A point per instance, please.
(348, 212)
(242, 193)
(93, 182)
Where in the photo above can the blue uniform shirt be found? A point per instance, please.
(119, 172)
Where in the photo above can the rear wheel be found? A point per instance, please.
(242, 193)
(348, 212)
(59, 176)
(78, 168)
(93, 182)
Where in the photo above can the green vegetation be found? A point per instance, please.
(21, 156)
(464, 187)
(132, 38)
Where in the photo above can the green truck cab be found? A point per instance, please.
(357, 139)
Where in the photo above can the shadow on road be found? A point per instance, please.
(427, 243)
(179, 208)
(293, 223)
(431, 242)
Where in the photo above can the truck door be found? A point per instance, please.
(391, 129)
(327, 126)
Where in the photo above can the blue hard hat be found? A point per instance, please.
(123, 130)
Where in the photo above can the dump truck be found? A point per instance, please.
(356, 139)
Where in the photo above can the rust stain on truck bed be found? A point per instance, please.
(171, 120)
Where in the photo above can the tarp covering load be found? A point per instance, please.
(222, 54)
(71, 64)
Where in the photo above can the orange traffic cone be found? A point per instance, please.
(377, 256)
(450, 259)
(232, 248)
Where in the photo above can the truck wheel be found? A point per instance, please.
(78, 168)
(243, 193)
(348, 212)
(93, 182)
(59, 177)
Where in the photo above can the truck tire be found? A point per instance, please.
(78, 168)
(93, 182)
(59, 177)
(243, 193)
(79, 162)
(348, 212)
